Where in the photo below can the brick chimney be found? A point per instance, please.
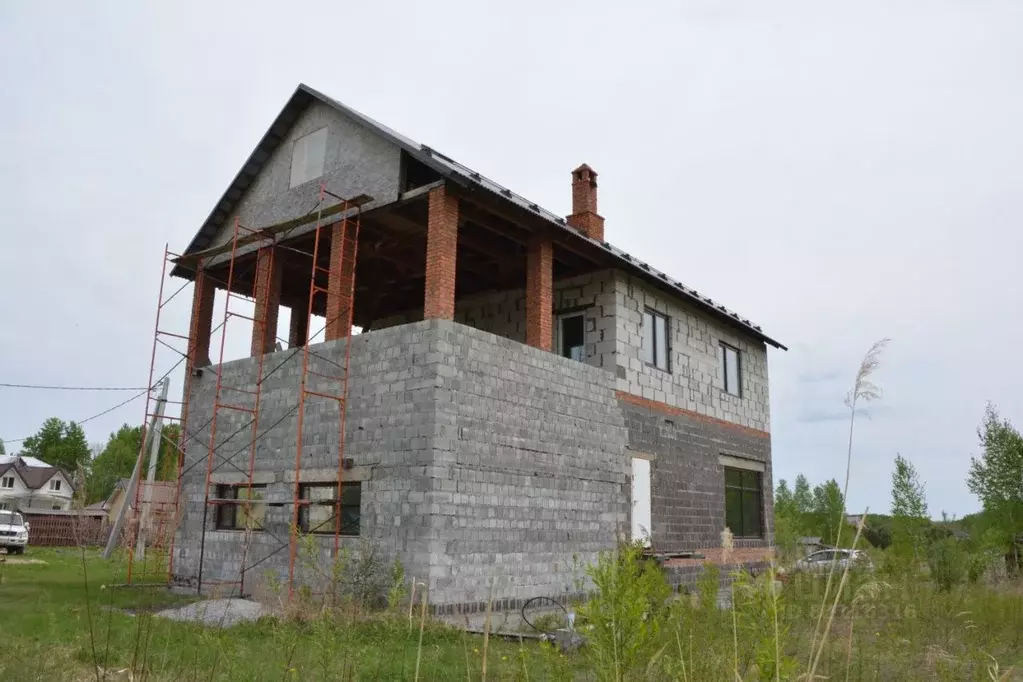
(584, 203)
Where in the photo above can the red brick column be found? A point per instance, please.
(298, 332)
(441, 254)
(267, 292)
(202, 321)
(539, 293)
(341, 286)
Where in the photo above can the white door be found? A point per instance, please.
(641, 518)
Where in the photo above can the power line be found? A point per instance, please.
(74, 388)
(95, 416)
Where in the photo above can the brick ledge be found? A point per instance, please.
(680, 412)
(716, 555)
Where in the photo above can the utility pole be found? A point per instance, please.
(129, 494)
(154, 455)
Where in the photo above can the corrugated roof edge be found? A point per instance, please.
(455, 171)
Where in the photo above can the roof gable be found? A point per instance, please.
(10, 469)
(452, 171)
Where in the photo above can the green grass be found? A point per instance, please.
(61, 620)
(53, 628)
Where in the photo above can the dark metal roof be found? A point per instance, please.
(454, 171)
(34, 478)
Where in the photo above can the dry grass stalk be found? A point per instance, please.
(486, 631)
(422, 626)
(863, 390)
(411, 603)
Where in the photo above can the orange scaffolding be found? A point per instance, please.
(259, 327)
(164, 337)
(247, 399)
(348, 226)
(341, 239)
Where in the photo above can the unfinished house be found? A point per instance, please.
(520, 393)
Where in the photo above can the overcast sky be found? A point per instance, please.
(837, 172)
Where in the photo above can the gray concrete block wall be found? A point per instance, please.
(688, 479)
(388, 438)
(695, 381)
(481, 458)
(356, 161)
(529, 467)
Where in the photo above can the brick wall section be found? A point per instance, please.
(340, 287)
(202, 321)
(687, 477)
(539, 293)
(441, 252)
(268, 301)
(718, 556)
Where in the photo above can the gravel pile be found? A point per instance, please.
(218, 612)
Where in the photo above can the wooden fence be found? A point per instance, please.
(66, 530)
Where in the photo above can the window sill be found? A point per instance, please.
(659, 369)
(328, 533)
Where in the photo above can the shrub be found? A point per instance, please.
(624, 615)
(947, 563)
(399, 590)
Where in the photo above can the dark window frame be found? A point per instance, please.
(745, 490)
(654, 340)
(226, 517)
(561, 318)
(327, 527)
(725, 347)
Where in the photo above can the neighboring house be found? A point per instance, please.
(522, 394)
(28, 483)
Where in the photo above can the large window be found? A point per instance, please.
(743, 502)
(731, 370)
(308, 156)
(243, 514)
(655, 340)
(572, 336)
(317, 516)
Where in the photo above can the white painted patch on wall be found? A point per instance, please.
(641, 517)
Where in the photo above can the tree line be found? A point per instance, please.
(907, 531)
(63, 445)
